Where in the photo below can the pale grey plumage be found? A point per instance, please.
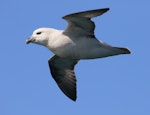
(76, 42)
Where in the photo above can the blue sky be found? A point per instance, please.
(118, 85)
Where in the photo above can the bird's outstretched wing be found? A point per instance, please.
(62, 70)
(80, 23)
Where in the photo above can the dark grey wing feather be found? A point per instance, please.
(62, 70)
(82, 21)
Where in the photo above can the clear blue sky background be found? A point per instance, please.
(118, 85)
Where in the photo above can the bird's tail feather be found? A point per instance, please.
(124, 50)
(112, 51)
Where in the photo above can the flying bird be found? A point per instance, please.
(74, 43)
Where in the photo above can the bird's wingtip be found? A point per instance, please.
(74, 99)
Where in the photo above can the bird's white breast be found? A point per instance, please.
(60, 44)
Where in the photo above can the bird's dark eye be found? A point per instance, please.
(38, 33)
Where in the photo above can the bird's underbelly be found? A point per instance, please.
(80, 50)
(84, 48)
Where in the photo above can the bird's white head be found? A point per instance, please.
(40, 36)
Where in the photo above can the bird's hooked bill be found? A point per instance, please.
(29, 40)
